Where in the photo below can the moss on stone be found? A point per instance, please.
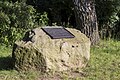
(28, 59)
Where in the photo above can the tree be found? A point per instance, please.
(86, 19)
(108, 17)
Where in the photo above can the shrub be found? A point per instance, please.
(16, 18)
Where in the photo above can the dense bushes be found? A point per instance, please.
(16, 18)
(108, 12)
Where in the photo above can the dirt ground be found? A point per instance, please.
(68, 75)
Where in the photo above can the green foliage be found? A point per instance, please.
(42, 19)
(16, 18)
(59, 11)
(108, 16)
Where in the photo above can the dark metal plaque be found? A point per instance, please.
(58, 33)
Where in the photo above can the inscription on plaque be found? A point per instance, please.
(58, 33)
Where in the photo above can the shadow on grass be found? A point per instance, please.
(6, 63)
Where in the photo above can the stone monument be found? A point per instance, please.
(42, 52)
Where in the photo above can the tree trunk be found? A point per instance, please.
(86, 19)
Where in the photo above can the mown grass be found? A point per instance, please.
(104, 64)
(105, 61)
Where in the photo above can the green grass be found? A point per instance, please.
(105, 61)
(6, 71)
(5, 58)
(104, 64)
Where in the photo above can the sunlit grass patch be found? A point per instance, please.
(5, 51)
(105, 61)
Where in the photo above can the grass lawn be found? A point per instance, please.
(103, 65)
